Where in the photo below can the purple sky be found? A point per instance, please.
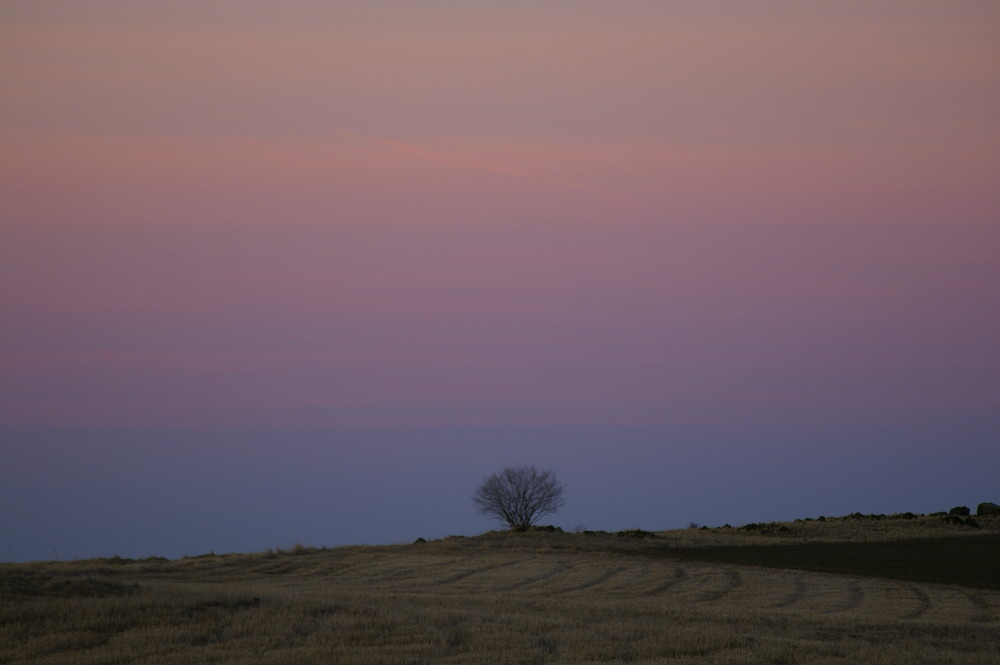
(298, 272)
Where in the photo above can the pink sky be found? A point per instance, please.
(620, 323)
(444, 111)
(499, 214)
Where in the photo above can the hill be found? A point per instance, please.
(543, 596)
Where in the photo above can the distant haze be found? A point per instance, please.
(307, 272)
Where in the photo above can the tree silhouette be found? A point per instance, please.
(519, 495)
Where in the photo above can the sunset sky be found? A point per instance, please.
(308, 271)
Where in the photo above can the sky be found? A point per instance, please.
(307, 272)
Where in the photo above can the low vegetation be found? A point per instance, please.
(761, 594)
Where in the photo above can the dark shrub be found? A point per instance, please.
(636, 533)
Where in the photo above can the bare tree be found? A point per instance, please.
(519, 495)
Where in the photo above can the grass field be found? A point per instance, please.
(757, 595)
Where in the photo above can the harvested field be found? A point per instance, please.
(497, 598)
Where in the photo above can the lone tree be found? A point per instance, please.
(519, 495)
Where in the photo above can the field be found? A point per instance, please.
(907, 591)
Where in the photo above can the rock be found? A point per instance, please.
(987, 508)
(960, 510)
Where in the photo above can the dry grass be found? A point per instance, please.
(498, 598)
